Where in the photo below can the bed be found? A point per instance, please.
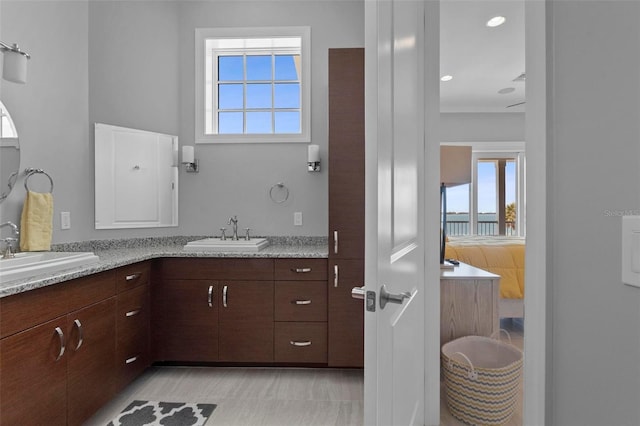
(499, 255)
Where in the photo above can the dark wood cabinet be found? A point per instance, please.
(59, 342)
(132, 334)
(185, 320)
(246, 321)
(91, 381)
(346, 207)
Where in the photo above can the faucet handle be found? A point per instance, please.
(246, 235)
(223, 237)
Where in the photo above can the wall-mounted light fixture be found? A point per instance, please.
(15, 63)
(189, 160)
(313, 161)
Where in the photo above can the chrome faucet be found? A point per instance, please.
(8, 251)
(234, 220)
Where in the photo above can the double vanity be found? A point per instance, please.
(70, 340)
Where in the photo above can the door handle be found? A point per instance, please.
(335, 242)
(335, 275)
(358, 293)
(224, 296)
(386, 297)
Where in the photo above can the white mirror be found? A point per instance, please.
(9, 153)
(136, 178)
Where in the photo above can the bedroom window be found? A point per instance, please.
(252, 85)
(493, 204)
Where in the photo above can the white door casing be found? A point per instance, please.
(394, 229)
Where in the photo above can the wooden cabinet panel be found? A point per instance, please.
(300, 269)
(25, 310)
(300, 301)
(346, 153)
(91, 360)
(130, 276)
(132, 333)
(185, 323)
(224, 268)
(246, 321)
(34, 384)
(346, 316)
(301, 342)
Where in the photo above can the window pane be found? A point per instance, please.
(258, 67)
(287, 95)
(229, 122)
(510, 214)
(458, 210)
(258, 122)
(230, 96)
(286, 67)
(258, 96)
(287, 122)
(487, 218)
(230, 68)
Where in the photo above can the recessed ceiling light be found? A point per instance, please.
(496, 21)
(446, 78)
(506, 90)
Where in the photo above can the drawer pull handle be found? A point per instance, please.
(130, 360)
(224, 296)
(132, 313)
(301, 270)
(134, 276)
(210, 297)
(300, 344)
(78, 324)
(58, 330)
(301, 302)
(335, 242)
(335, 275)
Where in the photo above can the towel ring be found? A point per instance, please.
(31, 172)
(281, 200)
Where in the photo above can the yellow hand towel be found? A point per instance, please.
(36, 223)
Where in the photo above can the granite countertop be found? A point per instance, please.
(116, 253)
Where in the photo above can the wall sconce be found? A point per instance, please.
(313, 162)
(188, 159)
(15, 63)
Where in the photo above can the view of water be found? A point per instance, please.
(487, 224)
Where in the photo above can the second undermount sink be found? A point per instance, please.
(29, 264)
(217, 244)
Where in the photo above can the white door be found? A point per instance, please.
(394, 254)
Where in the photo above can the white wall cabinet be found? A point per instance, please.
(136, 178)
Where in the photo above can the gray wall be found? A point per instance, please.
(594, 143)
(131, 63)
(482, 127)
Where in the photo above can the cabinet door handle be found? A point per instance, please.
(302, 343)
(335, 275)
(301, 270)
(224, 296)
(130, 360)
(132, 313)
(78, 325)
(133, 276)
(335, 242)
(301, 302)
(62, 346)
(210, 297)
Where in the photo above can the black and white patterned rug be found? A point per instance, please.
(156, 413)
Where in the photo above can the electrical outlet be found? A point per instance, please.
(297, 219)
(65, 220)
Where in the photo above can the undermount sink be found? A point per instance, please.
(29, 264)
(217, 244)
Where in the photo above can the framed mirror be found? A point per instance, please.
(9, 153)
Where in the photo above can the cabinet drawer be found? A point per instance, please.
(132, 329)
(301, 301)
(301, 269)
(131, 276)
(219, 269)
(301, 342)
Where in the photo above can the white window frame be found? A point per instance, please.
(201, 36)
(497, 150)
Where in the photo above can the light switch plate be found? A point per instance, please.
(65, 220)
(297, 219)
(631, 250)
